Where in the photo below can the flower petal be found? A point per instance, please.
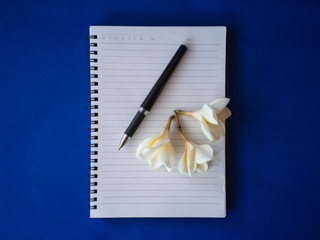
(182, 167)
(219, 130)
(207, 131)
(224, 114)
(191, 163)
(157, 150)
(148, 153)
(203, 153)
(167, 155)
(209, 114)
(160, 140)
(187, 164)
(213, 132)
(142, 146)
(219, 104)
(154, 162)
(202, 167)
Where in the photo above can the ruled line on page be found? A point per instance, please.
(173, 44)
(156, 64)
(140, 61)
(178, 184)
(151, 57)
(148, 177)
(116, 188)
(161, 203)
(159, 69)
(154, 76)
(131, 163)
(148, 190)
(165, 95)
(147, 135)
(180, 89)
(138, 102)
(160, 196)
(145, 120)
(125, 81)
(131, 171)
(172, 51)
(159, 54)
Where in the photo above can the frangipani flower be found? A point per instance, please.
(211, 117)
(195, 158)
(158, 150)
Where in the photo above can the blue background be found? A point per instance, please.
(273, 135)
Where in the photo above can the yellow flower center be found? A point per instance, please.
(154, 141)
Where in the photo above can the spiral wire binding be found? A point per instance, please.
(93, 137)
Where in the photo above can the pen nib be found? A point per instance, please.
(124, 139)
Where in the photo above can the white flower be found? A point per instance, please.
(195, 158)
(158, 150)
(211, 117)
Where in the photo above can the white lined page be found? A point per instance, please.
(130, 60)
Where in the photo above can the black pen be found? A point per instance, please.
(153, 95)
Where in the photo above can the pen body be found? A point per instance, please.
(153, 95)
(135, 123)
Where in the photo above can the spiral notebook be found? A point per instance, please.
(125, 62)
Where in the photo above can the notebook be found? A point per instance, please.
(125, 62)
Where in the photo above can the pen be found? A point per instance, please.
(151, 98)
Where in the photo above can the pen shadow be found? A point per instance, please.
(233, 90)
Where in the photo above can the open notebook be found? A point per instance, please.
(125, 62)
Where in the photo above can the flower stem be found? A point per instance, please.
(177, 119)
(178, 124)
(182, 135)
(169, 121)
(176, 112)
(183, 112)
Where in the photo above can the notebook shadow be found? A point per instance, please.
(233, 179)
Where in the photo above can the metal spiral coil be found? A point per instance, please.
(94, 99)
(93, 145)
(93, 137)
(93, 122)
(93, 37)
(93, 75)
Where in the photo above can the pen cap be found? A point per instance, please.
(163, 79)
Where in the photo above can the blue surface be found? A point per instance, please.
(273, 135)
